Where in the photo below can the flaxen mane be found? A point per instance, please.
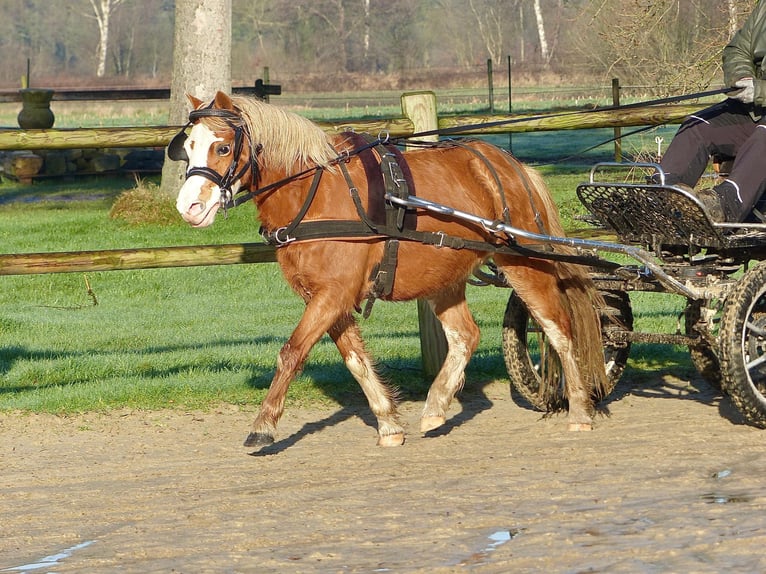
(289, 141)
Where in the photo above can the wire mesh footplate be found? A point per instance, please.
(651, 213)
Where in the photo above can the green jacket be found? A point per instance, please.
(744, 55)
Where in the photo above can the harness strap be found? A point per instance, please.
(493, 172)
(354, 192)
(293, 225)
(329, 229)
(395, 185)
(523, 176)
(383, 275)
(344, 230)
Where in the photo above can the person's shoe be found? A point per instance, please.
(713, 203)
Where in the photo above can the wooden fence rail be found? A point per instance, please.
(160, 136)
(109, 94)
(124, 259)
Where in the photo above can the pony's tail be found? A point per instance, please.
(584, 303)
(582, 300)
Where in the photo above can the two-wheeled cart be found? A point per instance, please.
(719, 268)
(667, 242)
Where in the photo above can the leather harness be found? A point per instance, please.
(387, 173)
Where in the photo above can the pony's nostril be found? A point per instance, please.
(196, 208)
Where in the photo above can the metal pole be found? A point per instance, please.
(617, 131)
(510, 105)
(491, 86)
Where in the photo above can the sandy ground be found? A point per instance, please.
(672, 481)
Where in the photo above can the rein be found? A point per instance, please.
(225, 182)
(484, 125)
(245, 196)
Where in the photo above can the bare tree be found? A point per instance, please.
(201, 66)
(489, 18)
(103, 11)
(677, 44)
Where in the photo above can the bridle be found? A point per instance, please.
(233, 119)
(177, 152)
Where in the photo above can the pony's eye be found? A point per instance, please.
(223, 150)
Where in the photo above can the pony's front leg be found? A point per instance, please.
(289, 362)
(380, 397)
(319, 315)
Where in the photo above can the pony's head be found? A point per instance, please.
(220, 155)
(234, 141)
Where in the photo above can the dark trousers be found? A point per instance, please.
(726, 129)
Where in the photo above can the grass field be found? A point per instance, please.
(197, 337)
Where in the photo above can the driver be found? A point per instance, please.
(735, 127)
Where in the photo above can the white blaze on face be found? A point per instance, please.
(199, 198)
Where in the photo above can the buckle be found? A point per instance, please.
(278, 240)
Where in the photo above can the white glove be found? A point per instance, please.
(746, 91)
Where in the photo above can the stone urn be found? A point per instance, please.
(36, 109)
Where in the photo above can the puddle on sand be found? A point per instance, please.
(496, 539)
(713, 498)
(49, 561)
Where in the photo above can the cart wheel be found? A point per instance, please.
(743, 345)
(703, 353)
(534, 367)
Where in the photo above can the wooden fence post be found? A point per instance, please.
(420, 108)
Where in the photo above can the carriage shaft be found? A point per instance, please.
(590, 245)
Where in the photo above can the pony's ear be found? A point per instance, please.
(223, 101)
(195, 102)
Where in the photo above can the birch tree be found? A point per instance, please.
(103, 11)
(544, 51)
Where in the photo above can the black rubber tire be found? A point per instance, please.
(536, 375)
(703, 354)
(742, 343)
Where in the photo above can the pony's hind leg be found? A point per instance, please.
(560, 298)
(345, 332)
(462, 335)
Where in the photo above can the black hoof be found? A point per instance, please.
(259, 439)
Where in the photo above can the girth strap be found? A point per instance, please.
(383, 275)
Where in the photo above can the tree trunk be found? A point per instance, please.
(366, 59)
(201, 66)
(541, 33)
(102, 10)
(522, 54)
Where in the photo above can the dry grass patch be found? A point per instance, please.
(144, 204)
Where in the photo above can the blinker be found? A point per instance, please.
(176, 150)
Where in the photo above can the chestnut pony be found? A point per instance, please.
(295, 172)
